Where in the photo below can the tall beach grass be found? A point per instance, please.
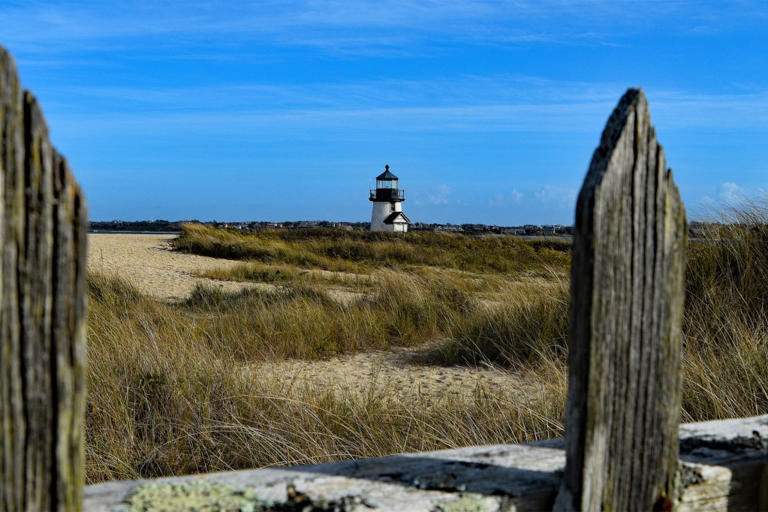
(175, 388)
(361, 252)
(726, 317)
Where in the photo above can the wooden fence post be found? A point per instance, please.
(43, 226)
(626, 309)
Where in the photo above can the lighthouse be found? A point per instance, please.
(387, 201)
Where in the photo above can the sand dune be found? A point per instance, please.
(148, 262)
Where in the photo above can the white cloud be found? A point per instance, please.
(439, 195)
(505, 200)
(561, 196)
(731, 192)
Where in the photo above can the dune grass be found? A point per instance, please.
(362, 252)
(175, 388)
(281, 273)
(528, 328)
(726, 317)
(297, 321)
(725, 322)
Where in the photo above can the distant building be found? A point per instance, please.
(387, 201)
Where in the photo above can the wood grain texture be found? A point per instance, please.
(626, 306)
(42, 295)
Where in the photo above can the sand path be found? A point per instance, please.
(148, 262)
(393, 372)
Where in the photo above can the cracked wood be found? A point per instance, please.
(42, 293)
(626, 308)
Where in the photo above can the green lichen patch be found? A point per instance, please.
(467, 503)
(192, 496)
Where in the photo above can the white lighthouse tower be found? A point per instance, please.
(387, 202)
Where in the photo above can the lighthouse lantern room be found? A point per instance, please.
(387, 201)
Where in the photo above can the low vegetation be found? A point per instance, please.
(363, 251)
(726, 317)
(176, 387)
(281, 274)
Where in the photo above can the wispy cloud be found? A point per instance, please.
(466, 104)
(728, 194)
(364, 26)
(561, 196)
(439, 195)
(507, 199)
(731, 192)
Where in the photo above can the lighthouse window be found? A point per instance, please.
(386, 184)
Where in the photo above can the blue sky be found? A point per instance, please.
(487, 110)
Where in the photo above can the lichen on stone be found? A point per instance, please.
(191, 496)
(466, 503)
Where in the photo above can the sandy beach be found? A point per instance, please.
(148, 261)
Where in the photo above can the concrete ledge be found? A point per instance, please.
(723, 468)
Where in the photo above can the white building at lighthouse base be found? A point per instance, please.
(388, 216)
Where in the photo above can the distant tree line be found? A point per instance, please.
(137, 225)
(173, 226)
(696, 229)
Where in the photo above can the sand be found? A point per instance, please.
(148, 261)
(395, 372)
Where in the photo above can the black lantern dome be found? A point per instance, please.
(386, 175)
(386, 188)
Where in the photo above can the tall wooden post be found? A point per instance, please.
(43, 226)
(626, 309)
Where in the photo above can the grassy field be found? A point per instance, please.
(363, 252)
(172, 390)
(726, 318)
(175, 387)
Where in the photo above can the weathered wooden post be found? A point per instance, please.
(626, 309)
(42, 321)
